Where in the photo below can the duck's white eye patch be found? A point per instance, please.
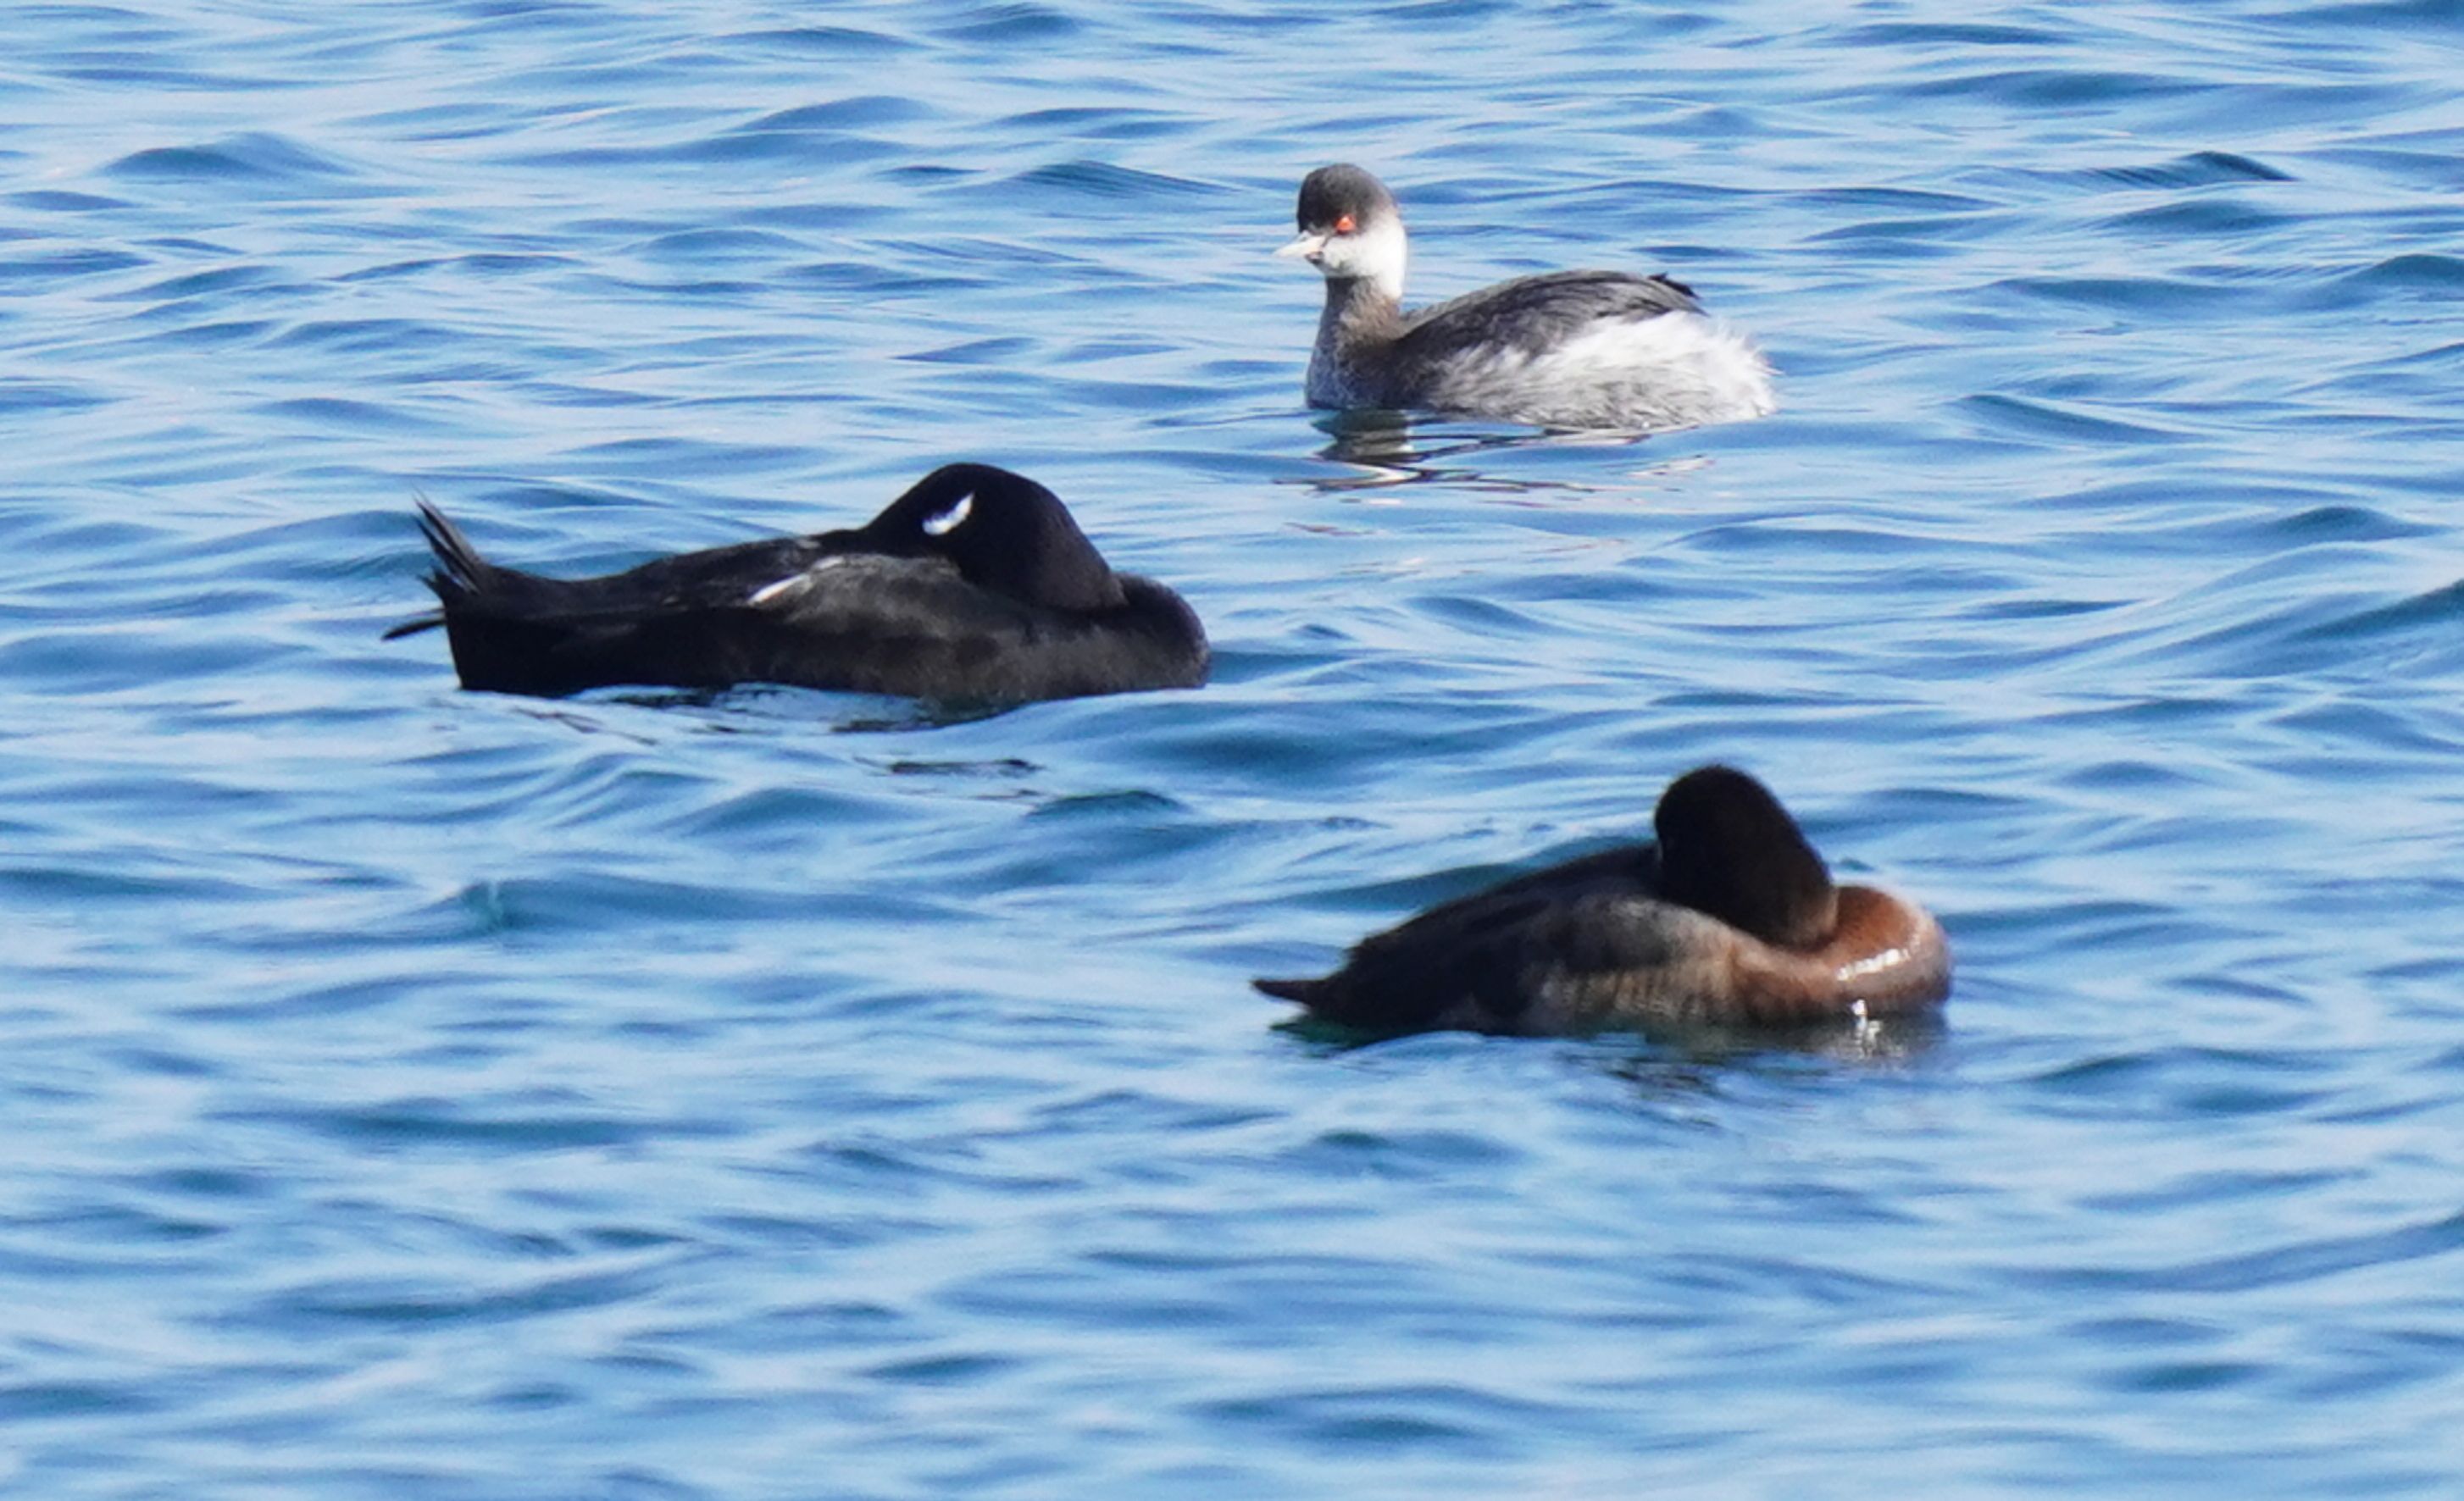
(942, 523)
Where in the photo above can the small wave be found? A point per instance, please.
(485, 263)
(352, 333)
(2197, 169)
(994, 351)
(202, 283)
(1423, 13)
(2442, 607)
(335, 412)
(1899, 198)
(831, 41)
(65, 263)
(2419, 270)
(1085, 123)
(61, 201)
(2138, 299)
(1104, 180)
(837, 115)
(2054, 88)
(258, 162)
(2199, 216)
(447, 1122)
(696, 247)
(1018, 22)
(1899, 33)
(2016, 414)
(18, 395)
(2293, 1262)
(2442, 14)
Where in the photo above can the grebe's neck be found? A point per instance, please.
(1359, 308)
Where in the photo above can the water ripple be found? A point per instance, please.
(412, 1090)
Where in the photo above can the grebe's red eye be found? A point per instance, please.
(1344, 225)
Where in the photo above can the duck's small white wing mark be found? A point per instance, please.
(789, 584)
(942, 523)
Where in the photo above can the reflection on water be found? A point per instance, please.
(1385, 449)
(847, 714)
(1388, 448)
(1860, 1039)
(1847, 1040)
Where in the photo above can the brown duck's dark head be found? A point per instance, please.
(1728, 849)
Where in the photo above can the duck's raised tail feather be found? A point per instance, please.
(460, 570)
(459, 573)
(1305, 991)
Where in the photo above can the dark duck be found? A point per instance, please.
(975, 585)
(1728, 919)
(1579, 349)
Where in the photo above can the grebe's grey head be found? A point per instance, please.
(1351, 229)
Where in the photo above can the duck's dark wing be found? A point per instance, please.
(1536, 313)
(1478, 961)
(667, 623)
(861, 623)
(838, 610)
(467, 585)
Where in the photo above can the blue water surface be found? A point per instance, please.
(412, 1092)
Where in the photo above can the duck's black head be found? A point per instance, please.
(1728, 849)
(1004, 532)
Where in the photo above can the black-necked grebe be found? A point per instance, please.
(974, 585)
(1730, 919)
(1596, 348)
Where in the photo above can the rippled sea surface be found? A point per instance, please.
(412, 1092)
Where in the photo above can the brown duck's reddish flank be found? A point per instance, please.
(1729, 918)
(1887, 955)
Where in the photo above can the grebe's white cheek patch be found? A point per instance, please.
(942, 523)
